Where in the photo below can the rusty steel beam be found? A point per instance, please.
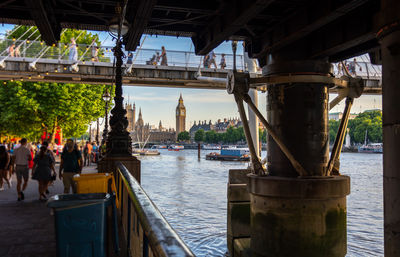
(45, 20)
(233, 17)
(138, 24)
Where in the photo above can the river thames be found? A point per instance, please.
(191, 194)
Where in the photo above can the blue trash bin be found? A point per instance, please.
(81, 224)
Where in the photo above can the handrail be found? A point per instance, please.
(161, 237)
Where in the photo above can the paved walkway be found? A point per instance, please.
(27, 227)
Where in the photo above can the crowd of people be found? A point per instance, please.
(37, 161)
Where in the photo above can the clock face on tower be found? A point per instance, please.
(182, 112)
(177, 112)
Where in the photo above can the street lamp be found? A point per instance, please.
(119, 142)
(106, 97)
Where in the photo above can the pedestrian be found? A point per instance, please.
(206, 61)
(130, 58)
(163, 56)
(4, 167)
(43, 171)
(352, 67)
(71, 164)
(17, 52)
(51, 154)
(95, 53)
(211, 59)
(87, 153)
(73, 51)
(11, 50)
(22, 158)
(222, 63)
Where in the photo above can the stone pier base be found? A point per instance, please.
(298, 216)
(238, 210)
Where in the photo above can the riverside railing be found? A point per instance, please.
(146, 231)
(32, 49)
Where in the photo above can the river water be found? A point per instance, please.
(191, 194)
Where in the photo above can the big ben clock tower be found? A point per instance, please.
(180, 117)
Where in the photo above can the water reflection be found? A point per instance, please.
(191, 194)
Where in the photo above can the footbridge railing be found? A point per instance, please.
(146, 231)
(104, 54)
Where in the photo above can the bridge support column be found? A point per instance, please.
(292, 215)
(390, 49)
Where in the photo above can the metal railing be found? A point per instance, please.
(146, 230)
(33, 49)
(363, 69)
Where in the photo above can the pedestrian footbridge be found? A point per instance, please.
(185, 69)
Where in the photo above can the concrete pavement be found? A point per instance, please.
(27, 227)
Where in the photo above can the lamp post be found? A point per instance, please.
(106, 97)
(119, 142)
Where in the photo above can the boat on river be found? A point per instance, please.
(211, 147)
(371, 148)
(175, 147)
(230, 154)
(146, 152)
(159, 147)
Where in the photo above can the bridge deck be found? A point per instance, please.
(59, 71)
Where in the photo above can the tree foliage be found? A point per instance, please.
(29, 108)
(183, 136)
(368, 122)
(199, 136)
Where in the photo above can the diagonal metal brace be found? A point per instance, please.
(355, 89)
(257, 166)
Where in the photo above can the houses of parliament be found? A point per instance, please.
(142, 132)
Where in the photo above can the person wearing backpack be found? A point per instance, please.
(71, 164)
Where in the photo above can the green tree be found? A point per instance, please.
(210, 136)
(333, 129)
(367, 123)
(183, 136)
(199, 136)
(29, 108)
(262, 135)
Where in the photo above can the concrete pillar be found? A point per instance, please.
(291, 215)
(390, 49)
(253, 122)
(251, 66)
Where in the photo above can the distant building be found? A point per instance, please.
(201, 125)
(180, 116)
(145, 132)
(220, 126)
(338, 116)
(130, 115)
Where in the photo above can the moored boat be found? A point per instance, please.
(371, 148)
(230, 154)
(175, 147)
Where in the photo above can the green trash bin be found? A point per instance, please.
(81, 223)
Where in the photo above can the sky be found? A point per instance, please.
(160, 103)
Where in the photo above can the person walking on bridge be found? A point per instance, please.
(71, 164)
(163, 56)
(73, 51)
(22, 158)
